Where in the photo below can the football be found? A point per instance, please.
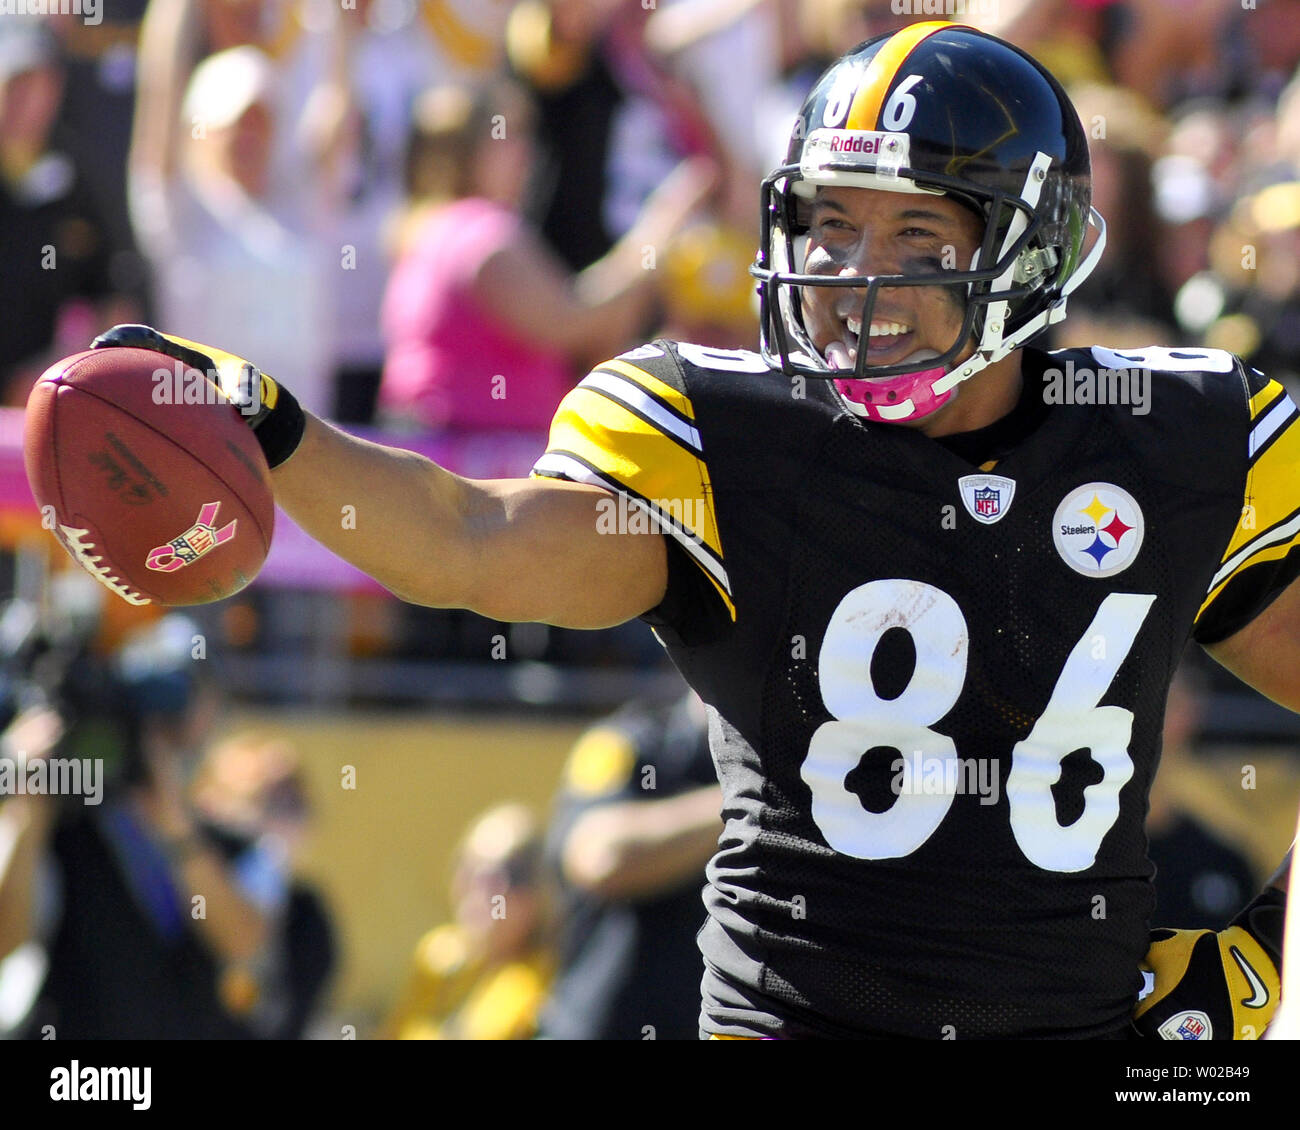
(147, 475)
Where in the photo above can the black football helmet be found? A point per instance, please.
(936, 108)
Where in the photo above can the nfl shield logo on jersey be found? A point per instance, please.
(1187, 1026)
(986, 497)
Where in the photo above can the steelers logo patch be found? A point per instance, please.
(1097, 529)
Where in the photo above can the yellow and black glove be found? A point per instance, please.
(1210, 986)
(269, 408)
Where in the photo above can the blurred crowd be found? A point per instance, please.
(148, 887)
(436, 214)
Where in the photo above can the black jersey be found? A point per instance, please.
(937, 688)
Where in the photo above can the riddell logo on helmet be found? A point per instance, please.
(871, 150)
(857, 143)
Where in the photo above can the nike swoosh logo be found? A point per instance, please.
(1260, 990)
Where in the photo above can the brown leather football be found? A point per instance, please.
(148, 476)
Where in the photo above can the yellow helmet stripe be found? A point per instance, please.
(864, 113)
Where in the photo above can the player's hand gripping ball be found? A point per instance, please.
(148, 475)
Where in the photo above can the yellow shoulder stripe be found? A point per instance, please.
(644, 460)
(1269, 553)
(1267, 529)
(600, 441)
(1264, 397)
(651, 384)
(1270, 489)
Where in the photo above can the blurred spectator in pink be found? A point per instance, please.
(349, 75)
(55, 286)
(485, 327)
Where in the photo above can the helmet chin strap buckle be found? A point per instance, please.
(1035, 266)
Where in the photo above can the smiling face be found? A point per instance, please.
(860, 232)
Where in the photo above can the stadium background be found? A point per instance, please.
(442, 714)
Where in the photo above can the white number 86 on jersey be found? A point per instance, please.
(862, 720)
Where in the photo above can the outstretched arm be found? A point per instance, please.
(509, 549)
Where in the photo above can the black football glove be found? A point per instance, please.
(1210, 986)
(269, 408)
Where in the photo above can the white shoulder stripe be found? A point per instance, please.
(1273, 419)
(554, 463)
(1277, 534)
(631, 395)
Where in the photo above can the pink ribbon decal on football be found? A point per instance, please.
(201, 538)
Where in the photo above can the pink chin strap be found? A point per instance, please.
(866, 398)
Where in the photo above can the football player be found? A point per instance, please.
(932, 582)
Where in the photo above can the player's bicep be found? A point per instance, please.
(544, 550)
(632, 433)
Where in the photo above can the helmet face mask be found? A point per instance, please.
(934, 110)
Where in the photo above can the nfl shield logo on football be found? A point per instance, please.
(1187, 1026)
(986, 497)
